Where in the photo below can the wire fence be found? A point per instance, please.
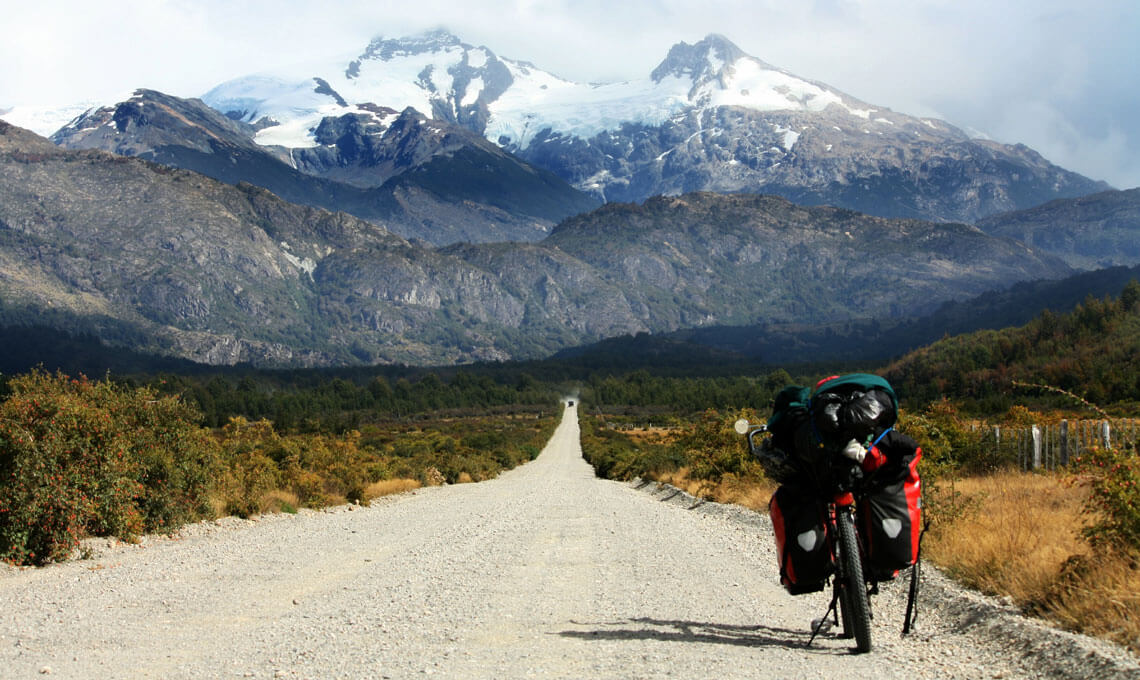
(1051, 447)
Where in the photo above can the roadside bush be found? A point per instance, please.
(712, 449)
(92, 458)
(250, 474)
(1113, 476)
(177, 459)
(318, 470)
(81, 458)
(615, 455)
(708, 451)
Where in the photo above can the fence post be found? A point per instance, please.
(1025, 444)
(1106, 435)
(1036, 447)
(1064, 443)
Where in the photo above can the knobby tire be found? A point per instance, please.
(855, 605)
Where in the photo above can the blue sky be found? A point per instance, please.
(1058, 76)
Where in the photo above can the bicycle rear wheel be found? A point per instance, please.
(854, 604)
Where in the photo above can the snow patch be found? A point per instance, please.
(296, 132)
(47, 120)
(715, 62)
(474, 89)
(477, 58)
(750, 84)
(790, 137)
(541, 101)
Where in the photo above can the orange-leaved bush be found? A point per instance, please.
(91, 458)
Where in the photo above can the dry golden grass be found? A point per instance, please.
(217, 504)
(1098, 595)
(279, 501)
(390, 486)
(654, 435)
(1022, 539)
(464, 478)
(1020, 530)
(750, 493)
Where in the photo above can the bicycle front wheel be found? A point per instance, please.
(855, 606)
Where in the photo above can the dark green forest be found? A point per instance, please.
(1090, 351)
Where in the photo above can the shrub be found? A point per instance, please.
(1113, 476)
(249, 472)
(91, 458)
(390, 486)
(713, 449)
(177, 461)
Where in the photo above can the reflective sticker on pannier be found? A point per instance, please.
(808, 540)
(892, 526)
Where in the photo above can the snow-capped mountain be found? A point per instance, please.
(511, 102)
(143, 255)
(417, 177)
(435, 74)
(709, 117)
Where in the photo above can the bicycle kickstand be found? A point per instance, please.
(832, 612)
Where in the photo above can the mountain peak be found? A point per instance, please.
(385, 49)
(700, 62)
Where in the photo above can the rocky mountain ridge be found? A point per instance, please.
(414, 176)
(165, 259)
(1089, 232)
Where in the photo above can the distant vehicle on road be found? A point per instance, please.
(570, 402)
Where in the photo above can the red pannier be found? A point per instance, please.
(802, 545)
(890, 515)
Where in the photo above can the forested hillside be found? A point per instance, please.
(1092, 352)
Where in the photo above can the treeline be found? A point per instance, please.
(681, 395)
(326, 402)
(338, 401)
(1092, 352)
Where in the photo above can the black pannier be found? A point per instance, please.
(802, 545)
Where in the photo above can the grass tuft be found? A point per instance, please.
(387, 487)
(751, 493)
(1019, 530)
(280, 500)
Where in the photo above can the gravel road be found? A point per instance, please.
(545, 571)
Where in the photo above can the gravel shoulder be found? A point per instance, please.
(545, 571)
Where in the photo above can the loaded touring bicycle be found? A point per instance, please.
(849, 507)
